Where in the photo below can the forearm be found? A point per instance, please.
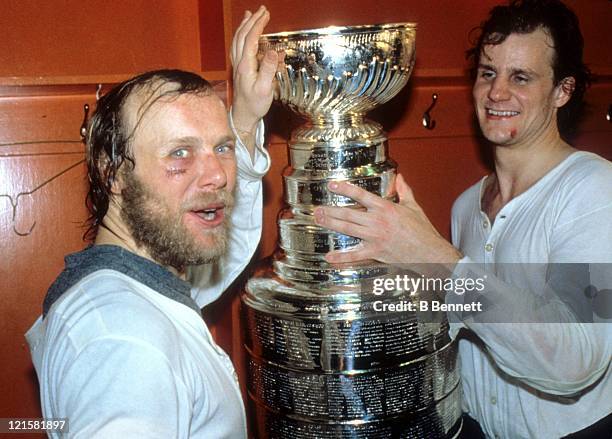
(543, 338)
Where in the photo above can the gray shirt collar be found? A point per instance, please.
(111, 257)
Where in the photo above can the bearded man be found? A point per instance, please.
(121, 348)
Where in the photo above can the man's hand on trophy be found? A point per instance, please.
(253, 78)
(390, 232)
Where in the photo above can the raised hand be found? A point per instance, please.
(253, 79)
(390, 232)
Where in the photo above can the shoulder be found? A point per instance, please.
(108, 304)
(584, 184)
(586, 168)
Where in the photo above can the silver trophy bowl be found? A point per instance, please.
(322, 361)
(336, 72)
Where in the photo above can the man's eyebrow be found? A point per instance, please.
(197, 141)
(529, 72)
(513, 71)
(486, 67)
(225, 139)
(186, 140)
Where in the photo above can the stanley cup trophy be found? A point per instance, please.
(323, 360)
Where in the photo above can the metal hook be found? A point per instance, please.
(15, 216)
(15, 202)
(84, 124)
(98, 89)
(24, 233)
(428, 122)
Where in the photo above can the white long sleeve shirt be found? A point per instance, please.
(538, 380)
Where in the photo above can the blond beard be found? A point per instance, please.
(162, 232)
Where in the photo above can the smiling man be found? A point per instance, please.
(121, 349)
(538, 229)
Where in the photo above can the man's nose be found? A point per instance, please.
(499, 91)
(212, 173)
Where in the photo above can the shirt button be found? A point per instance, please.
(489, 247)
(493, 400)
(485, 224)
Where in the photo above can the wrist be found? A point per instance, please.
(246, 136)
(447, 260)
(243, 124)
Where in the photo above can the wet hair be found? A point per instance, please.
(561, 24)
(109, 136)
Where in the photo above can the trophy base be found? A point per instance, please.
(325, 362)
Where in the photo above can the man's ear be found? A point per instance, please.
(564, 90)
(117, 183)
(116, 188)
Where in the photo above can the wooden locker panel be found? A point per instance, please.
(599, 100)
(99, 37)
(212, 35)
(595, 17)
(42, 209)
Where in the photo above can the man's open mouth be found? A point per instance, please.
(211, 214)
(208, 214)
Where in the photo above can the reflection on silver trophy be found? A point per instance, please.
(322, 361)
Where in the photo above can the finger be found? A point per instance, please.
(238, 41)
(281, 59)
(404, 191)
(341, 226)
(347, 214)
(251, 40)
(267, 71)
(363, 197)
(241, 37)
(237, 34)
(356, 254)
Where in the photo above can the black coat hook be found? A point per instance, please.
(84, 124)
(428, 122)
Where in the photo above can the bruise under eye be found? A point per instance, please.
(172, 172)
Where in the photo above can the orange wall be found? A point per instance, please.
(97, 37)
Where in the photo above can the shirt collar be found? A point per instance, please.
(112, 257)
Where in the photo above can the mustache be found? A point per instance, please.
(202, 200)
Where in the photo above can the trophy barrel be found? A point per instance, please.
(323, 360)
